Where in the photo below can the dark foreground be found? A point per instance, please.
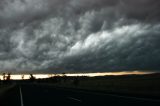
(43, 95)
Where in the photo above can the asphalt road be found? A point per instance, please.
(42, 95)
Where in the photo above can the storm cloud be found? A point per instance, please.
(79, 35)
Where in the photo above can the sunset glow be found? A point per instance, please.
(41, 76)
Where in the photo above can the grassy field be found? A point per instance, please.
(146, 85)
(136, 85)
(5, 87)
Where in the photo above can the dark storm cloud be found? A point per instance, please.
(79, 35)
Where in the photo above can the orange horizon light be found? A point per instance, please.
(38, 76)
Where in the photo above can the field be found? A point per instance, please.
(5, 87)
(137, 85)
(133, 85)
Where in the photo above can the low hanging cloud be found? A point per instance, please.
(79, 35)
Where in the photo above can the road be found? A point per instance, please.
(42, 95)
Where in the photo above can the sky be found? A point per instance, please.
(79, 35)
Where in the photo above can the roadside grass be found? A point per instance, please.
(4, 88)
(147, 85)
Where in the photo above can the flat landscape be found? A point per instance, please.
(108, 90)
(147, 85)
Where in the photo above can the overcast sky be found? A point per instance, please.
(79, 35)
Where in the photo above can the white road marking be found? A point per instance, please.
(21, 96)
(74, 99)
(113, 95)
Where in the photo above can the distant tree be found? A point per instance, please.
(4, 76)
(64, 77)
(63, 74)
(22, 77)
(32, 78)
(8, 77)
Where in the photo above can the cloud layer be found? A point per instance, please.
(79, 35)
